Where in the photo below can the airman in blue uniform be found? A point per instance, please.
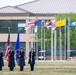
(1, 60)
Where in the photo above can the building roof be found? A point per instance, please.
(13, 11)
(50, 6)
(40, 8)
(10, 9)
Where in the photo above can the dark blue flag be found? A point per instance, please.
(17, 46)
(68, 23)
(39, 23)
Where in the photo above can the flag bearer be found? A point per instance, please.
(11, 61)
(32, 59)
(21, 59)
(1, 60)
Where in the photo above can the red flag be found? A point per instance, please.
(7, 52)
(27, 27)
(7, 48)
(29, 24)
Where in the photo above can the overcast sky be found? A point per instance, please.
(12, 2)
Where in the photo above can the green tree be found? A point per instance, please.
(72, 17)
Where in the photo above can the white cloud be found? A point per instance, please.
(12, 2)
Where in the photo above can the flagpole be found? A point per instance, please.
(55, 45)
(32, 38)
(41, 41)
(54, 42)
(51, 44)
(36, 31)
(65, 49)
(60, 44)
(36, 42)
(9, 33)
(37, 46)
(37, 50)
(68, 40)
(9, 29)
(44, 41)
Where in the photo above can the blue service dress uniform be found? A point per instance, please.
(31, 60)
(11, 63)
(1, 60)
(21, 60)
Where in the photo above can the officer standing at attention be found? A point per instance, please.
(32, 59)
(1, 60)
(21, 59)
(11, 61)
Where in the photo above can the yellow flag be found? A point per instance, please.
(60, 23)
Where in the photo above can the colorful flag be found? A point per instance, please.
(27, 27)
(73, 24)
(39, 23)
(17, 46)
(61, 23)
(7, 48)
(51, 25)
(48, 24)
(29, 24)
(68, 23)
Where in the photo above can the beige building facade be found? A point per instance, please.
(24, 37)
(11, 16)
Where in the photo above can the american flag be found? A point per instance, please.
(7, 48)
(29, 24)
(27, 27)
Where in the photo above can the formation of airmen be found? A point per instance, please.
(21, 60)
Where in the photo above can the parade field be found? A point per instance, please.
(44, 68)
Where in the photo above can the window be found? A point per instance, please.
(15, 26)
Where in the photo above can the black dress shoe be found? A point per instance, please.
(31, 70)
(0, 70)
(11, 70)
(21, 70)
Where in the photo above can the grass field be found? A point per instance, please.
(44, 68)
